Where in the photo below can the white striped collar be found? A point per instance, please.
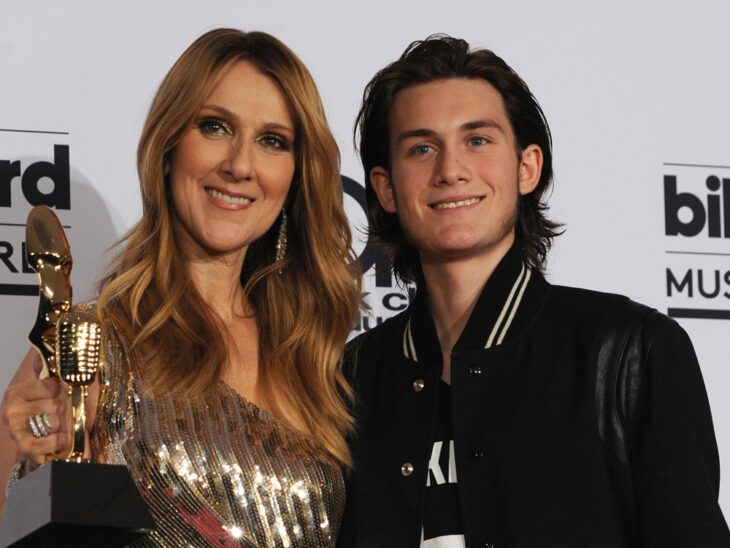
(409, 349)
(507, 315)
(495, 317)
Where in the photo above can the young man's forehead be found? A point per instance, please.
(463, 104)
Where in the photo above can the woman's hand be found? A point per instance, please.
(36, 414)
(43, 401)
(46, 404)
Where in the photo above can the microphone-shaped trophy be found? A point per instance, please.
(77, 348)
(68, 501)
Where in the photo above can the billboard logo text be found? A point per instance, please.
(58, 171)
(712, 212)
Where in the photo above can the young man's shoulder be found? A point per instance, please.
(374, 346)
(590, 300)
(379, 337)
(598, 307)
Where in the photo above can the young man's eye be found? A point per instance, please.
(478, 141)
(211, 126)
(272, 140)
(420, 150)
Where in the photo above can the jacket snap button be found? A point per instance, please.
(406, 469)
(418, 385)
(477, 455)
(475, 370)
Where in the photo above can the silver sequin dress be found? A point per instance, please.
(219, 473)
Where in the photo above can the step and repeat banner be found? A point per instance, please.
(636, 95)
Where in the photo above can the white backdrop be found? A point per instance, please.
(636, 94)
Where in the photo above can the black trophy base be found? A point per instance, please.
(71, 504)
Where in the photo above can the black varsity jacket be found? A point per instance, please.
(580, 419)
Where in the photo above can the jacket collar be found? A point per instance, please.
(506, 304)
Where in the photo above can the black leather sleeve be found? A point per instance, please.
(672, 449)
(620, 371)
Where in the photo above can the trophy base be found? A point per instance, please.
(73, 504)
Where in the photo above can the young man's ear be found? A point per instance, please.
(530, 169)
(383, 187)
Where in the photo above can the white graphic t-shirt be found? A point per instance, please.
(442, 516)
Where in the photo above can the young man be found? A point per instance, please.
(498, 410)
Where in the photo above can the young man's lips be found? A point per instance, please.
(228, 197)
(457, 202)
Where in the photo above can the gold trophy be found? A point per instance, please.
(68, 500)
(68, 341)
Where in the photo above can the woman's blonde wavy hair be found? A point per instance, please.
(304, 315)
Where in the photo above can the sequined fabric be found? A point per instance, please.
(219, 473)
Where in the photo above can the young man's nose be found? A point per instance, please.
(452, 168)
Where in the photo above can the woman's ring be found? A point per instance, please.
(39, 424)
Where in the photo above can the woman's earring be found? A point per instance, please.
(281, 243)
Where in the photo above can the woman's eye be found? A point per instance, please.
(271, 140)
(211, 126)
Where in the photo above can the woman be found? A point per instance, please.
(225, 313)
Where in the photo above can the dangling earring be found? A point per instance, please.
(281, 243)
